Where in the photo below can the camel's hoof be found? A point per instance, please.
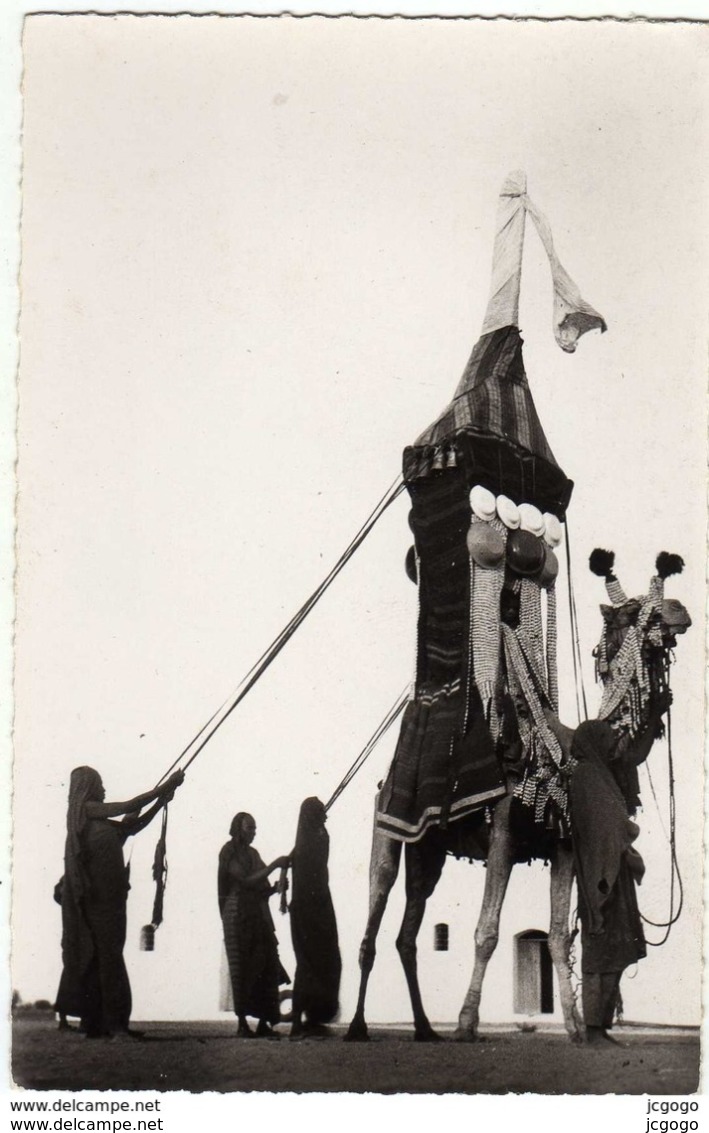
(427, 1035)
(357, 1032)
(463, 1036)
(577, 1038)
(597, 1037)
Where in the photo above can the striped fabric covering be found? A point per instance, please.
(491, 429)
(493, 395)
(433, 778)
(437, 774)
(440, 518)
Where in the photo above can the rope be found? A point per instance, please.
(260, 666)
(184, 751)
(369, 747)
(575, 643)
(160, 872)
(674, 864)
(205, 733)
(147, 932)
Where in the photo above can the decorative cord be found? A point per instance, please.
(575, 644)
(675, 873)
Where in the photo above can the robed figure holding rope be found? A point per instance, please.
(249, 935)
(94, 985)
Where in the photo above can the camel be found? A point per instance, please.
(634, 700)
(482, 763)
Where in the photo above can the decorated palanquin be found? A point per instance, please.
(488, 500)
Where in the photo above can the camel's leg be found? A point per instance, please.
(424, 863)
(383, 871)
(499, 867)
(562, 878)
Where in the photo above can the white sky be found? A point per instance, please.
(256, 255)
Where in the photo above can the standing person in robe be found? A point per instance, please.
(63, 1024)
(94, 985)
(316, 986)
(607, 870)
(250, 940)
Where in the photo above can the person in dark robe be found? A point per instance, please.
(63, 1024)
(94, 985)
(249, 935)
(316, 986)
(607, 870)
(62, 993)
(630, 752)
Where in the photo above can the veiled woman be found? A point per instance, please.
(607, 868)
(249, 936)
(94, 984)
(316, 985)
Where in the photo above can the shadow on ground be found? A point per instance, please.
(207, 1056)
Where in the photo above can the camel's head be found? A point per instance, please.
(658, 619)
(675, 620)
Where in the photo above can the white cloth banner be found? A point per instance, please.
(572, 315)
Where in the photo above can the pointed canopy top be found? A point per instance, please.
(492, 421)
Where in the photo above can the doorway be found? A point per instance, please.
(533, 974)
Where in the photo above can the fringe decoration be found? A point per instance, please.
(551, 650)
(486, 590)
(543, 781)
(530, 627)
(626, 679)
(147, 932)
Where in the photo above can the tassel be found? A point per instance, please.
(282, 888)
(147, 933)
(147, 938)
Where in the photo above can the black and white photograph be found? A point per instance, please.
(359, 520)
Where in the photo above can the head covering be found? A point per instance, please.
(525, 553)
(312, 812)
(550, 569)
(486, 545)
(594, 739)
(508, 512)
(85, 786)
(482, 502)
(237, 823)
(552, 529)
(531, 519)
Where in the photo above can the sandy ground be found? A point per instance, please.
(208, 1056)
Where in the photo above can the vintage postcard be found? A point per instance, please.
(360, 560)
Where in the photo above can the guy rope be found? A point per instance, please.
(190, 752)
